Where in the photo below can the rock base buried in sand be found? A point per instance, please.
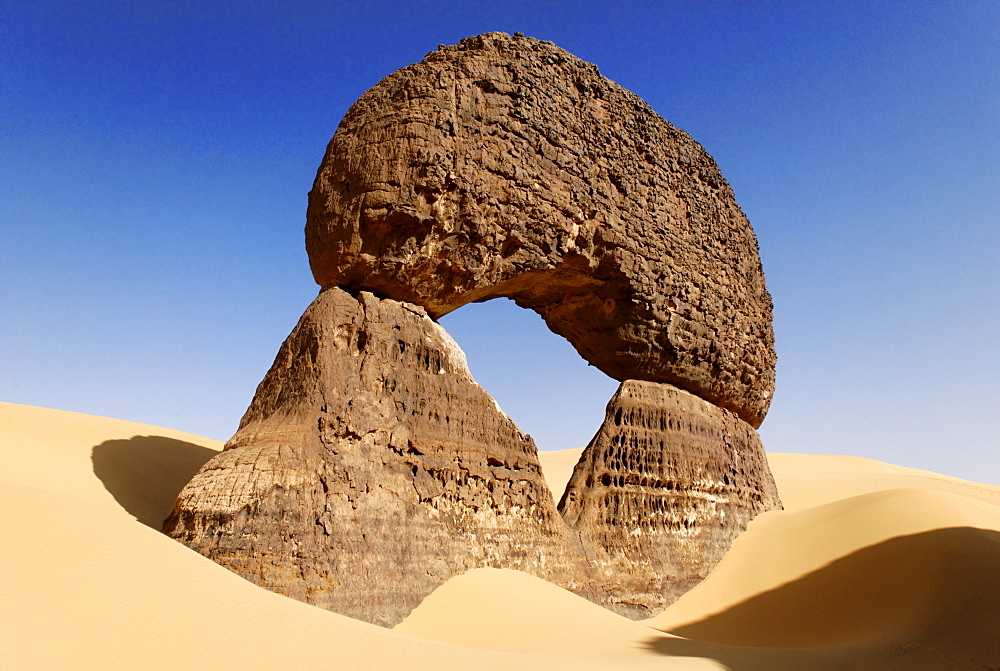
(370, 468)
(662, 490)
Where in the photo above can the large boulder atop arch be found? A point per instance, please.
(505, 166)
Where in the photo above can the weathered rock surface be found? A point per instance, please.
(505, 166)
(661, 492)
(370, 468)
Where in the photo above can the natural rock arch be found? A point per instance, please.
(370, 467)
(505, 166)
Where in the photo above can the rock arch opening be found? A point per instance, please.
(535, 376)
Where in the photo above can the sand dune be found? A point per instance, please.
(903, 577)
(513, 611)
(807, 480)
(781, 547)
(936, 589)
(118, 466)
(557, 466)
(872, 566)
(923, 601)
(84, 585)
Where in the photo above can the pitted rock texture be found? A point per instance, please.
(370, 468)
(661, 492)
(505, 166)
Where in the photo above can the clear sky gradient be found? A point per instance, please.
(155, 159)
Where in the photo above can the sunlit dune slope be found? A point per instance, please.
(938, 590)
(511, 610)
(120, 467)
(557, 466)
(83, 589)
(922, 601)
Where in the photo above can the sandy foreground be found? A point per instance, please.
(871, 566)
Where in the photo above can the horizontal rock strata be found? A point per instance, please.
(370, 468)
(662, 490)
(505, 166)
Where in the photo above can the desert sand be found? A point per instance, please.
(870, 566)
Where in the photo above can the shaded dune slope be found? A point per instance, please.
(780, 548)
(938, 589)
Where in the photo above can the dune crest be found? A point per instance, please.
(91, 458)
(936, 589)
(808, 480)
(501, 609)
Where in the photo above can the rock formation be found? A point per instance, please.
(662, 490)
(370, 467)
(507, 167)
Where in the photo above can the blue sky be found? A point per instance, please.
(156, 158)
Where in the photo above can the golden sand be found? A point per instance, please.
(871, 566)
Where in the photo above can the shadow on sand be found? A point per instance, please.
(928, 600)
(145, 473)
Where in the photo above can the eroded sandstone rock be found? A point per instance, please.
(370, 468)
(505, 166)
(661, 492)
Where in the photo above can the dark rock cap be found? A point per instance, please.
(506, 167)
